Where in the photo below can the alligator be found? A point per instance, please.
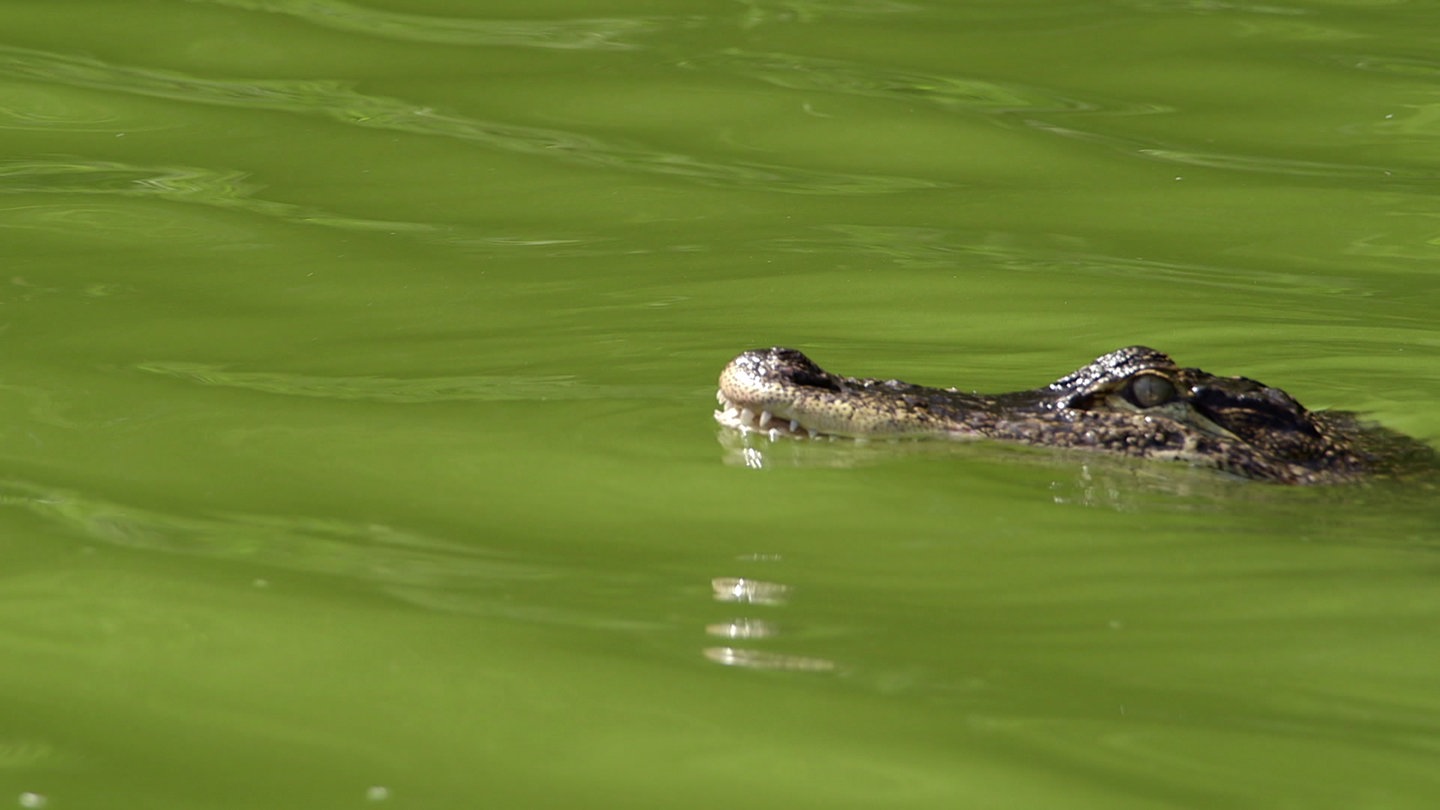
(1134, 401)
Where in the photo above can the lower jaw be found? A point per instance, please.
(747, 420)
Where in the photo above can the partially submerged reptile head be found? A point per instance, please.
(1133, 401)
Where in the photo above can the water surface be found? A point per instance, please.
(357, 444)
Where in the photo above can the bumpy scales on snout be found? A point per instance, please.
(1134, 401)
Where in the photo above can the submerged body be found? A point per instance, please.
(1134, 401)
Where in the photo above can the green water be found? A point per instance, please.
(356, 445)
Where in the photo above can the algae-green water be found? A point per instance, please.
(356, 445)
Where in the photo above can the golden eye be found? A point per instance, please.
(1149, 390)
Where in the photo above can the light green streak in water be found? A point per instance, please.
(356, 551)
(476, 388)
(608, 33)
(22, 755)
(782, 12)
(799, 72)
(339, 102)
(182, 184)
(25, 106)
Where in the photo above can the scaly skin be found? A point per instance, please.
(1134, 401)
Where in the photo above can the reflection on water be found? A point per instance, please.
(749, 591)
(760, 659)
(1066, 477)
(740, 590)
(742, 629)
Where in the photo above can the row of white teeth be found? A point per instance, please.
(747, 421)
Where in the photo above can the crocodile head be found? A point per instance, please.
(1133, 401)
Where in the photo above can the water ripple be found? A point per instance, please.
(433, 572)
(936, 247)
(1214, 7)
(600, 33)
(21, 754)
(471, 388)
(765, 12)
(1287, 166)
(30, 108)
(339, 102)
(1391, 65)
(185, 184)
(1262, 164)
(795, 72)
(359, 551)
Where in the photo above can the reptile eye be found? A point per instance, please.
(1149, 390)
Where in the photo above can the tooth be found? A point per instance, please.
(720, 397)
(765, 418)
(774, 434)
(794, 426)
(747, 416)
(813, 433)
